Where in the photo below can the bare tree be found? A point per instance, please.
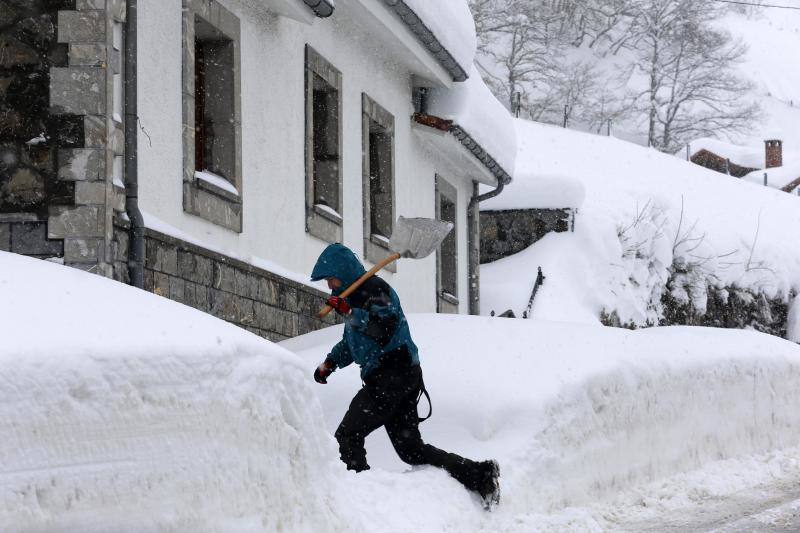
(691, 88)
(678, 77)
(520, 41)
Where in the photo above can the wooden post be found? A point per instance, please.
(765, 179)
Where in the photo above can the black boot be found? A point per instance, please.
(489, 487)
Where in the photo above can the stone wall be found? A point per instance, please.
(82, 93)
(724, 307)
(259, 301)
(504, 233)
(26, 234)
(730, 307)
(60, 128)
(30, 136)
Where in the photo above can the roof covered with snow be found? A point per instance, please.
(745, 156)
(445, 27)
(543, 191)
(475, 110)
(778, 177)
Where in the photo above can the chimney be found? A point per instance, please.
(774, 153)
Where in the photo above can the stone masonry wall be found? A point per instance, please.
(504, 233)
(30, 136)
(266, 304)
(87, 92)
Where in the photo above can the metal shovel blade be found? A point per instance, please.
(416, 238)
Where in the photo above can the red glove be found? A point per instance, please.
(324, 370)
(339, 304)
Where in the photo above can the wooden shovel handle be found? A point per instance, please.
(360, 281)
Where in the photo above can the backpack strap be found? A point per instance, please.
(424, 391)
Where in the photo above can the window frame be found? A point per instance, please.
(445, 301)
(376, 249)
(201, 197)
(321, 223)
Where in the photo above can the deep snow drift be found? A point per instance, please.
(124, 411)
(576, 414)
(640, 212)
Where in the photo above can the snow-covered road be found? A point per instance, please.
(773, 512)
(773, 505)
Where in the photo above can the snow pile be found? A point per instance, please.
(134, 413)
(453, 26)
(644, 212)
(472, 106)
(575, 414)
(124, 411)
(538, 192)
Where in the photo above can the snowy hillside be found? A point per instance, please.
(773, 39)
(640, 212)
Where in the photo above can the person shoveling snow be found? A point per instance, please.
(377, 337)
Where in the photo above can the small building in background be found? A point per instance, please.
(769, 167)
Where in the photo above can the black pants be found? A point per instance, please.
(389, 398)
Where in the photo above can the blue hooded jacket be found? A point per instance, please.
(359, 343)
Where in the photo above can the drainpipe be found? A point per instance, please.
(474, 223)
(136, 247)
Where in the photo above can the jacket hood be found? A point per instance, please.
(338, 261)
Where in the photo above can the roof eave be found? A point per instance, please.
(467, 141)
(428, 39)
(481, 154)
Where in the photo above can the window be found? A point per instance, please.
(447, 254)
(323, 148)
(378, 178)
(212, 181)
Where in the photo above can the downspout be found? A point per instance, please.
(474, 224)
(136, 247)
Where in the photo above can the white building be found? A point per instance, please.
(270, 128)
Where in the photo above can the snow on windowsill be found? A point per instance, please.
(380, 240)
(328, 212)
(216, 180)
(449, 298)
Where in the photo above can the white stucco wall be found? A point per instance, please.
(272, 74)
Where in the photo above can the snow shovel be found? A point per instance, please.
(413, 238)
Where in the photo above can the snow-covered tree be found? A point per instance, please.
(666, 66)
(690, 88)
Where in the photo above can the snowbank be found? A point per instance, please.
(124, 411)
(643, 211)
(452, 23)
(575, 414)
(472, 106)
